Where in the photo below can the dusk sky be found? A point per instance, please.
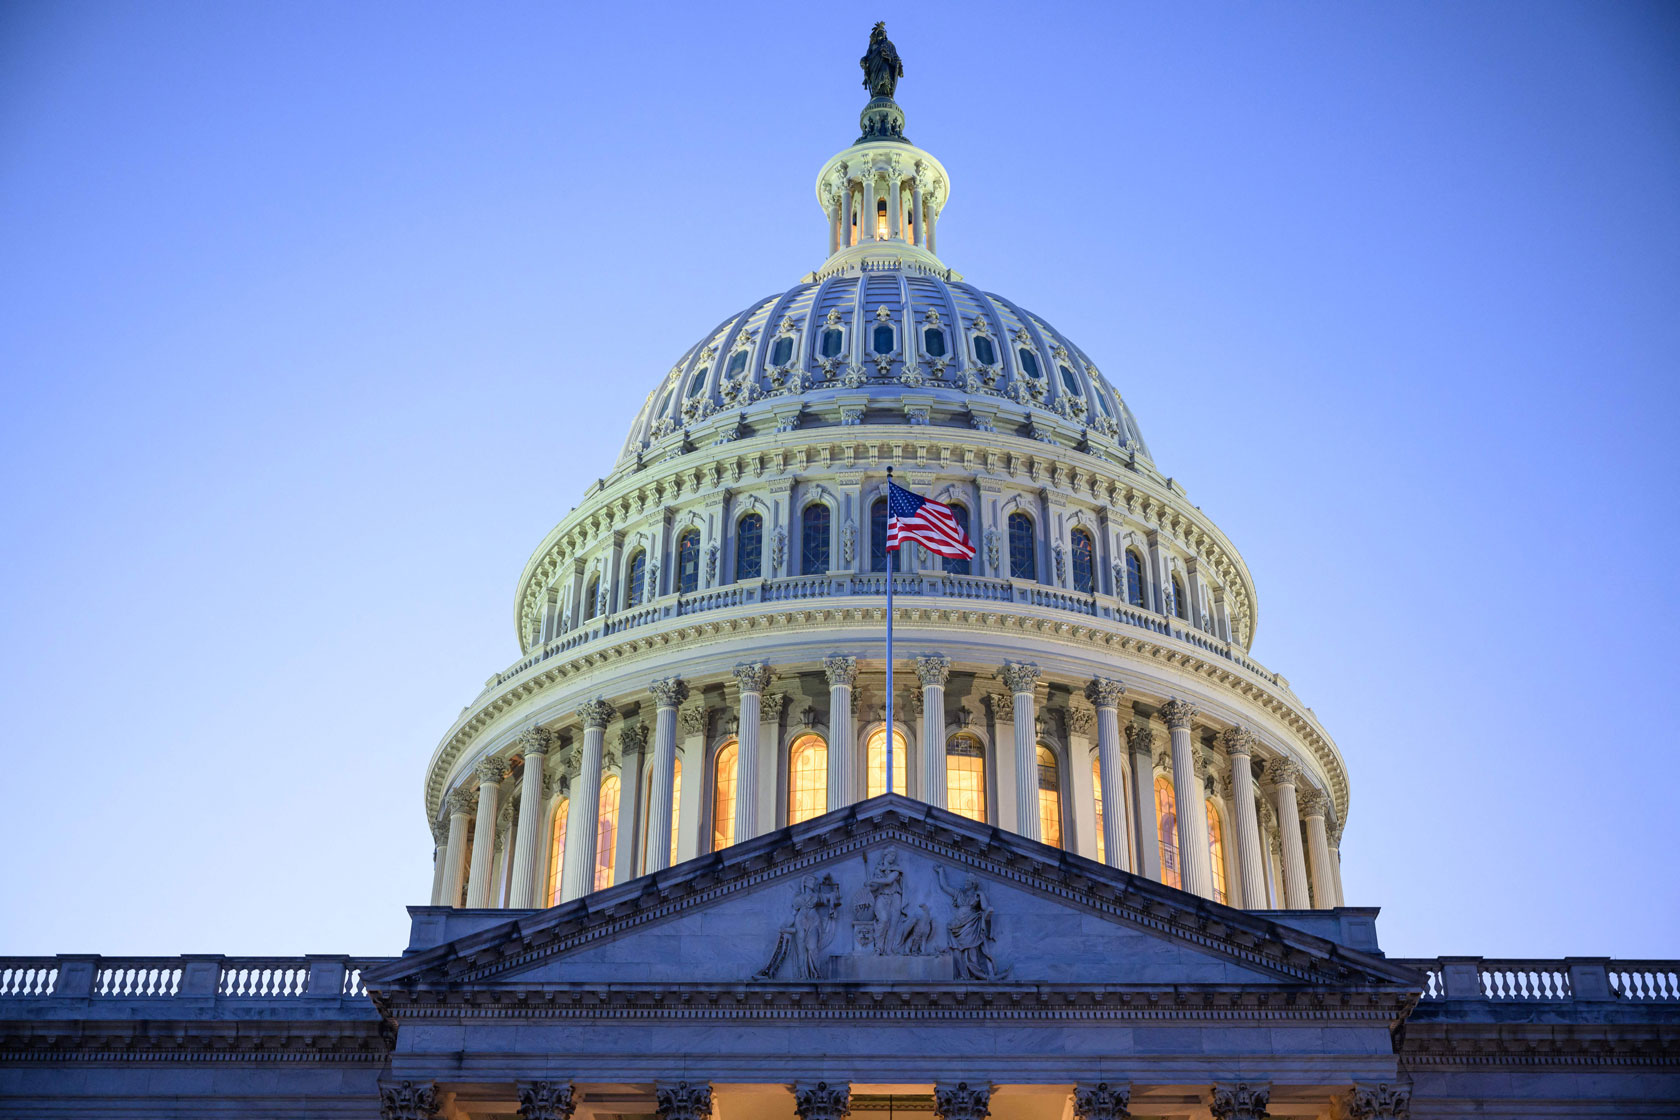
(315, 318)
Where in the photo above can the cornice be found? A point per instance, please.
(315, 1042)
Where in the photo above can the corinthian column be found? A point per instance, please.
(527, 845)
(1105, 697)
(963, 1101)
(933, 671)
(1141, 739)
(1313, 803)
(752, 681)
(822, 1101)
(1239, 1102)
(1020, 677)
(683, 1100)
(1284, 775)
(1194, 860)
(583, 819)
(546, 1100)
(1239, 743)
(489, 774)
(455, 854)
(842, 782)
(1102, 1100)
(667, 694)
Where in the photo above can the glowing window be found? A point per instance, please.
(958, 565)
(1049, 799)
(984, 352)
(1023, 549)
(723, 795)
(832, 340)
(676, 808)
(1096, 784)
(807, 779)
(876, 750)
(688, 562)
(606, 834)
(1179, 605)
(781, 351)
(878, 553)
(737, 362)
(1084, 563)
(591, 594)
(557, 851)
(1029, 363)
(813, 540)
(749, 546)
(933, 341)
(633, 579)
(1166, 824)
(699, 381)
(1069, 381)
(965, 777)
(1134, 578)
(1216, 849)
(881, 220)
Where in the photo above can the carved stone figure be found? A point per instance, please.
(886, 892)
(848, 544)
(918, 935)
(881, 65)
(970, 928)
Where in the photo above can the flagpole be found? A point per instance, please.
(891, 559)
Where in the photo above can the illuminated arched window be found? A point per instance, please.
(723, 795)
(1179, 606)
(958, 565)
(965, 777)
(647, 810)
(813, 540)
(1049, 798)
(807, 778)
(875, 752)
(1166, 824)
(634, 575)
(1023, 547)
(1216, 848)
(749, 547)
(878, 553)
(1096, 784)
(606, 833)
(1084, 562)
(557, 850)
(1134, 578)
(591, 596)
(881, 220)
(688, 562)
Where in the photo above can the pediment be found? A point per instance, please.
(889, 892)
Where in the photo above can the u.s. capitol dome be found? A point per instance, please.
(703, 637)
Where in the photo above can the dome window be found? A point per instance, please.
(832, 340)
(984, 352)
(1102, 401)
(965, 777)
(957, 565)
(1084, 563)
(737, 363)
(1070, 382)
(591, 594)
(881, 220)
(1134, 578)
(699, 381)
(781, 350)
(749, 546)
(878, 554)
(1023, 548)
(634, 578)
(688, 562)
(933, 341)
(1029, 363)
(813, 540)
(1049, 798)
(883, 339)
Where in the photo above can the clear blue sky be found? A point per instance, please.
(314, 318)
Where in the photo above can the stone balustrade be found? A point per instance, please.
(1571, 979)
(235, 980)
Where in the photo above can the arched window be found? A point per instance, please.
(807, 778)
(606, 833)
(699, 381)
(1029, 362)
(1049, 798)
(1023, 547)
(1166, 824)
(1084, 562)
(781, 350)
(749, 547)
(591, 596)
(984, 352)
(1070, 383)
(881, 219)
(557, 850)
(1134, 578)
(933, 342)
(634, 575)
(1096, 784)
(647, 810)
(1179, 603)
(832, 341)
(965, 777)
(1216, 849)
(875, 751)
(737, 363)
(813, 540)
(723, 795)
(878, 553)
(958, 565)
(688, 562)
(883, 338)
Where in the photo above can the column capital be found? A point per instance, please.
(634, 737)
(962, 1101)
(1019, 676)
(534, 740)
(1105, 693)
(411, 1100)
(546, 1100)
(693, 721)
(1237, 741)
(1178, 714)
(490, 771)
(753, 677)
(1080, 721)
(1140, 738)
(1312, 802)
(1101, 1101)
(1283, 771)
(683, 1100)
(1239, 1102)
(933, 669)
(440, 831)
(842, 669)
(595, 713)
(462, 803)
(821, 1101)
(1380, 1101)
(1003, 706)
(669, 691)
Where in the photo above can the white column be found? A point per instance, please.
(752, 679)
(932, 221)
(440, 861)
(1141, 739)
(1020, 677)
(455, 854)
(933, 671)
(1239, 743)
(1285, 774)
(489, 774)
(1336, 862)
(920, 230)
(667, 694)
(895, 208)
(1195, 862)
(866, 220)
(527, 840)
(1313, 803)
(1081, 837)
(583, 818)
(1105, 695)
(845, 218)
(842, 780)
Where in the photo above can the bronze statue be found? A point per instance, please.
(881, 66)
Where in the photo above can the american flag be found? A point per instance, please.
(911, 517)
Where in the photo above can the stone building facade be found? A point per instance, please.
(676, 874)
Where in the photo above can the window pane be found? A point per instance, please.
(1023, 550)
(1216, 849)
(590, 595)
(878, 539)
(1134, 578)
(814, 540)
(831, 341)
(883, 339)
(1166, 822)
(723, 796)
(737, 362)
(1178, 603)
(749, 546)
(933, 341)
(965, 778)
(984, 352)
(557, 851)
(688, 562)
(633, 581)
(1049, 799)
(698, 383)
(958, 566)
(807, 779)
(877, 750)
(1029, 363)
(1070, 382)
(1084, 565)
(781, 351)
(606, 836)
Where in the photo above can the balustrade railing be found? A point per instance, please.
(1502, 980)
(1646, 980)
(158, 978)
(138, 979)
(28, 976)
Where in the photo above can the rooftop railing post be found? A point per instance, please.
(76, 972)
(326, 976)
(201, 975)
(1461, 977)
(1589, 977)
